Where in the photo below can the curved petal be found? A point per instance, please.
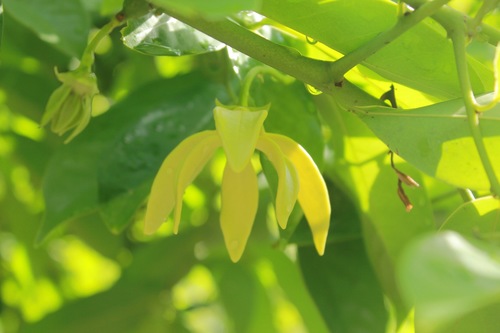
(84, 119)
(55, 103)
(240, 196)
(313, 194)
(67, 116)
(288, 182)
(239, 130)
(163, 191)
(194, 162)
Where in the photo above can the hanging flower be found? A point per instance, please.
(239, 131)
(70, 106)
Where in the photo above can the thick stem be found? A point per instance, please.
(405, 22)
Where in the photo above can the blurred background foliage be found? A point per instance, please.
(73, 254)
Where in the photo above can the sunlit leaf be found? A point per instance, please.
(437, 139)
(478, 219)
(212, 9)
(421, 58)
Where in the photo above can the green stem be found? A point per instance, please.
(447, 14)
(466, 194)
(486, 7)
(253, 73)
(496, 91)
(458, 36)
(405, 22)
(88, 54)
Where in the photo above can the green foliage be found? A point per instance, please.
(398, 259)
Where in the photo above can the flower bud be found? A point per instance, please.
(70, 106)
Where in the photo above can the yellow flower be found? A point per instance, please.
(239, 131)
(70, 106)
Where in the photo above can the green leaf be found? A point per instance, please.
(361, 168)
(437, 139)
(122, 150)
(162, 35)
(237, 282)
(291, 281)
(422, 58)
(212, 9)
(476, 219)
(448, 277)
(63, 23)
(344, 287)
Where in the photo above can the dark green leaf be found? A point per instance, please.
(122, 150)
(63, 23)
(162, 35)
(344, 287)
(291, 281)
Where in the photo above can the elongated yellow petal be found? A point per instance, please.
(195, 160)
(313, 194)
(163, 191)
(240, 196)
(239, 130)
(288, 182)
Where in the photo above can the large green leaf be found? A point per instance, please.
(447, 277)
(437, 139)
(63, 23)
(239, 282)
(344, 287)
(122, 150)
(361, 168)
(291, 281)
(213, 9)
(162, 35)
(422, 58)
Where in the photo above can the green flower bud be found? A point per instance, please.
(70, 106)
